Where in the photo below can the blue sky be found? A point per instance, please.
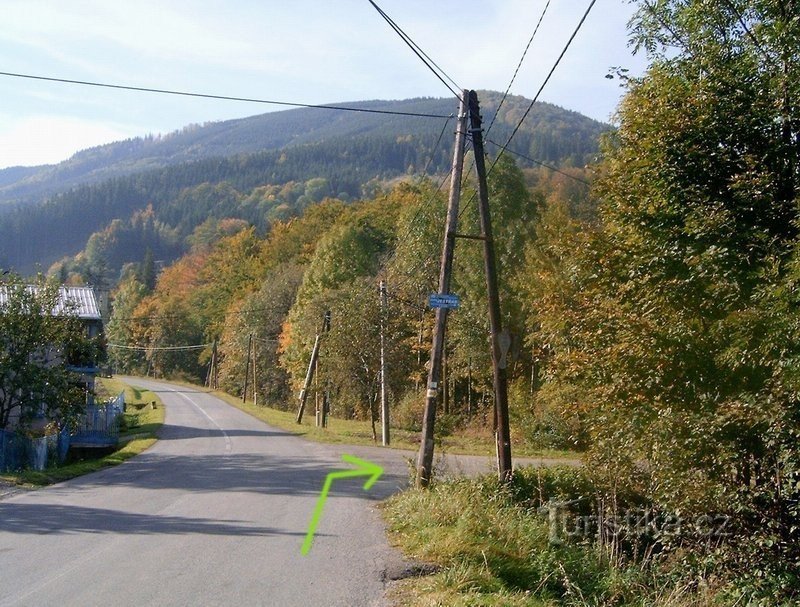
(309, 51)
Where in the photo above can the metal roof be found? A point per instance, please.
(80, 301)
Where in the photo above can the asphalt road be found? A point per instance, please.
(214, 514)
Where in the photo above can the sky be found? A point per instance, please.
(306, 51)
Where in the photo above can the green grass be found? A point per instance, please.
(141, 421)
(490, 551)
(139, 433)
(492, 546)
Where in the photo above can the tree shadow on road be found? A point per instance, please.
(266, 474)
(63, 519)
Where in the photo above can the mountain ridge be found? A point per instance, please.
(302, 154)
(268, 131)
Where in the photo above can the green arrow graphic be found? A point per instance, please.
(365, 468)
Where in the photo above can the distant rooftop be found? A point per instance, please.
(80, 301)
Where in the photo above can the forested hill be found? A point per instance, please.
(49, 212)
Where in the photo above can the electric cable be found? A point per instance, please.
(519, 65)
(170, 348)
(539, 162)
(423, 56)
(546, 80)
(342, 108)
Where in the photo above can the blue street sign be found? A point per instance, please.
(441, 300)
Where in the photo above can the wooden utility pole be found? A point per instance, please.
(247, 368)
(384, 395)
(425, 457)
(316, 395)
(500, 342)
(214, 367)
(469, 387)
(326, 325)
(326, 405)
(255, 381)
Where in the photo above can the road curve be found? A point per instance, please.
(214, 514)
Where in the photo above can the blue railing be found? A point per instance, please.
(99, 428)
(18, 451)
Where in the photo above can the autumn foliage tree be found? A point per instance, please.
(674, 321)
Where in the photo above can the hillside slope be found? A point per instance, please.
(49, 212)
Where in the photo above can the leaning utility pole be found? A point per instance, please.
(214, 367)
(425, 457)
(384, 396)
(499, 349)
(326, 325)
(247, 368)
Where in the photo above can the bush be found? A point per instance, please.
(543, 418)
(407, 413)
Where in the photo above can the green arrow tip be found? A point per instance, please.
(374, 471)
(363, 468)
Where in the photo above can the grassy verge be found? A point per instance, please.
(494, 545)
(353, 432)
(141, 421)
(138, 433)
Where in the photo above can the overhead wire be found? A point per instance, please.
(505, 147)
(160, 348)
(436, 146)
(508, 88)
(419, 52)
(539, 162)
(343, 108)
(546, 80)
(432, 66)
(413, 221)
(519, 65)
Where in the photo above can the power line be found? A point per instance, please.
(519, 65)
(406, 302)
(423, 56)
(436, 147)
(423, 176)
(539, 162)
(547, 79)
(171, 348)
(404, 237)
(342, 108)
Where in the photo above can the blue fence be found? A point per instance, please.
(18, 452)
(99, 428)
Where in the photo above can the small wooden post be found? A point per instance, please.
(255, 381)
(214, 383)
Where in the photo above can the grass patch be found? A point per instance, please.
(494, 545)
(138, 433)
